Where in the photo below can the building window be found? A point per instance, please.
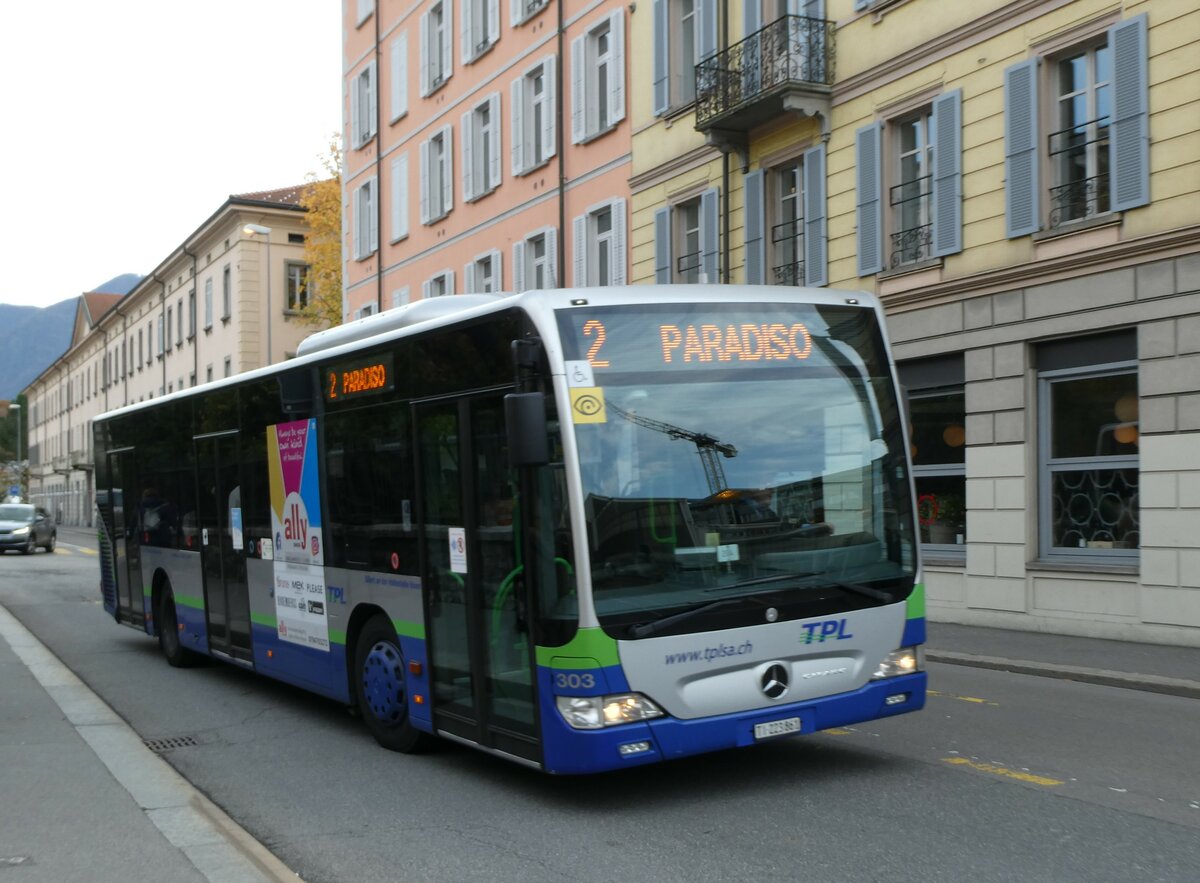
(363, 106)
(366, 221)
(162, 336)
(191, 314)
(1092, 100)
(533, 128)
(228, 366)
(599, 245)
(363, 312)
(170, 326)
(436, 28)
(523, 10)
(915, 196)
(598, 78)
(685, 33)
(400, 297)
(480, 27)
(686, 240)
(399, 197)
(535, 260)
(481, 148)
(141, 350)
(437, 176)
(1078, 146)
(484, 274)
(787, 228)
(1088, 437)
(208, 375)
(441, 285)
(208, 304)
(937, 435)
(398, 57)
(226, 293)
(297, 286)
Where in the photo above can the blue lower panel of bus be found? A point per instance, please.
(588, 751)
(316, 670)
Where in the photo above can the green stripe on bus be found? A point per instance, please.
(916, 602)
(337, 636)
(189, 601)
(264, 619)
(588, 643)
(405, 629)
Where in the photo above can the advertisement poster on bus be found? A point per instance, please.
(299, 548)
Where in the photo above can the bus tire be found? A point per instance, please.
(381, 688)
(172, 648)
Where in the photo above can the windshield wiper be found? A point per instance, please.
(654, 626)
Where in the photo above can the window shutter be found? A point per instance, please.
(493, 170)
(356, 124)
(498, 268)
(662, 94)
(373, 208)
(515, 11)
(753, 224)
(710, 239)
(551, 257)
(578, 90)
(1129, 144)
(869, 187)
(399, 197)
(662, 246)
(751, 49)
(617, 269)
(468, 151)
(423, 50)
(1022, 214)
(448, 168)
(616, 74)
(359, 232)
(400, 76)
(468, 42)
(449, 282)
(816, 234)
(579, 247)
(372, 101)
(448, 38)
(947, 174)
(751, 17)
(426, 289)
(424, 182)
(549, 115)
(517, 135)
(519, 266)
(493, 22)
(708, 31)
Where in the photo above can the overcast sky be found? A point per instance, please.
(125, 124)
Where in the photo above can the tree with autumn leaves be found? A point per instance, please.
(322, 200)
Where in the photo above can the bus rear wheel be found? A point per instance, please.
(172, 648)
(381, 688)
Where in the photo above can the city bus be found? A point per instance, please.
(582, 530)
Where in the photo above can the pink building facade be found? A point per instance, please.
(487, 148)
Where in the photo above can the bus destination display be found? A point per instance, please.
(359, 378)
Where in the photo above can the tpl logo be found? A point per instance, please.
(819, 632)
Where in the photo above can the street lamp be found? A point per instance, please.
(265, 232)
(13, 406)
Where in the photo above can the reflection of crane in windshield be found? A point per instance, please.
(707, 446)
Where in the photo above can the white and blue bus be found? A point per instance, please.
(581, 529)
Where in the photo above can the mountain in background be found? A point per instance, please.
(31, 338)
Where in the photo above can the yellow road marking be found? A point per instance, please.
(1002, 771)
(963, 698)
(837, 731)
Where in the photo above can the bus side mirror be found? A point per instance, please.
(525, 416)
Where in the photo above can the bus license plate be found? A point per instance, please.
(777, 728)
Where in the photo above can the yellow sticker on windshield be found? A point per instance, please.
(587, 404)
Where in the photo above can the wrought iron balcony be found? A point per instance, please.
(786, 66)
(787, 243)
(910, 202)
(687, 267)
(1079, 157)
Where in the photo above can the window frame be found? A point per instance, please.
(366, 220)
(364, 98)
(439, 188)
(481, 142)
(444, 280)
(439, 36)
(598, 79)
(1047, 466)
(1050, 85)
(302, 294)
(494, 261)
(526, 133)
(480, 28)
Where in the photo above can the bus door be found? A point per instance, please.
(222, 545)
(478, 639)
(126, 534)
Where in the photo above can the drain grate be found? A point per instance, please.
(158, 746)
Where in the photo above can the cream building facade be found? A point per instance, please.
(1019, 181)
(486, 147)
(224, 301)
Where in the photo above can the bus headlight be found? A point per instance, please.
(597, 712)
(20, 531)
(904, 661)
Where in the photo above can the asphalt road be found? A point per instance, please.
(1002, 777)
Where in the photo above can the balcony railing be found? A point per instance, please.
(687, 267)
(746, 85)
(910, 203)
(787, 243)
(1079, 157)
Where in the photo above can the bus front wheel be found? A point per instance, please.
(381, 688)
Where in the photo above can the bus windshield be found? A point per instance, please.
(739, 464)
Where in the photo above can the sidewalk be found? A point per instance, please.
(84, 799)
(1153, 667)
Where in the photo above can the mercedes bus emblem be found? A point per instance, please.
(775, 681)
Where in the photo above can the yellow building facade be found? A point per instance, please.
(1018, 181)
